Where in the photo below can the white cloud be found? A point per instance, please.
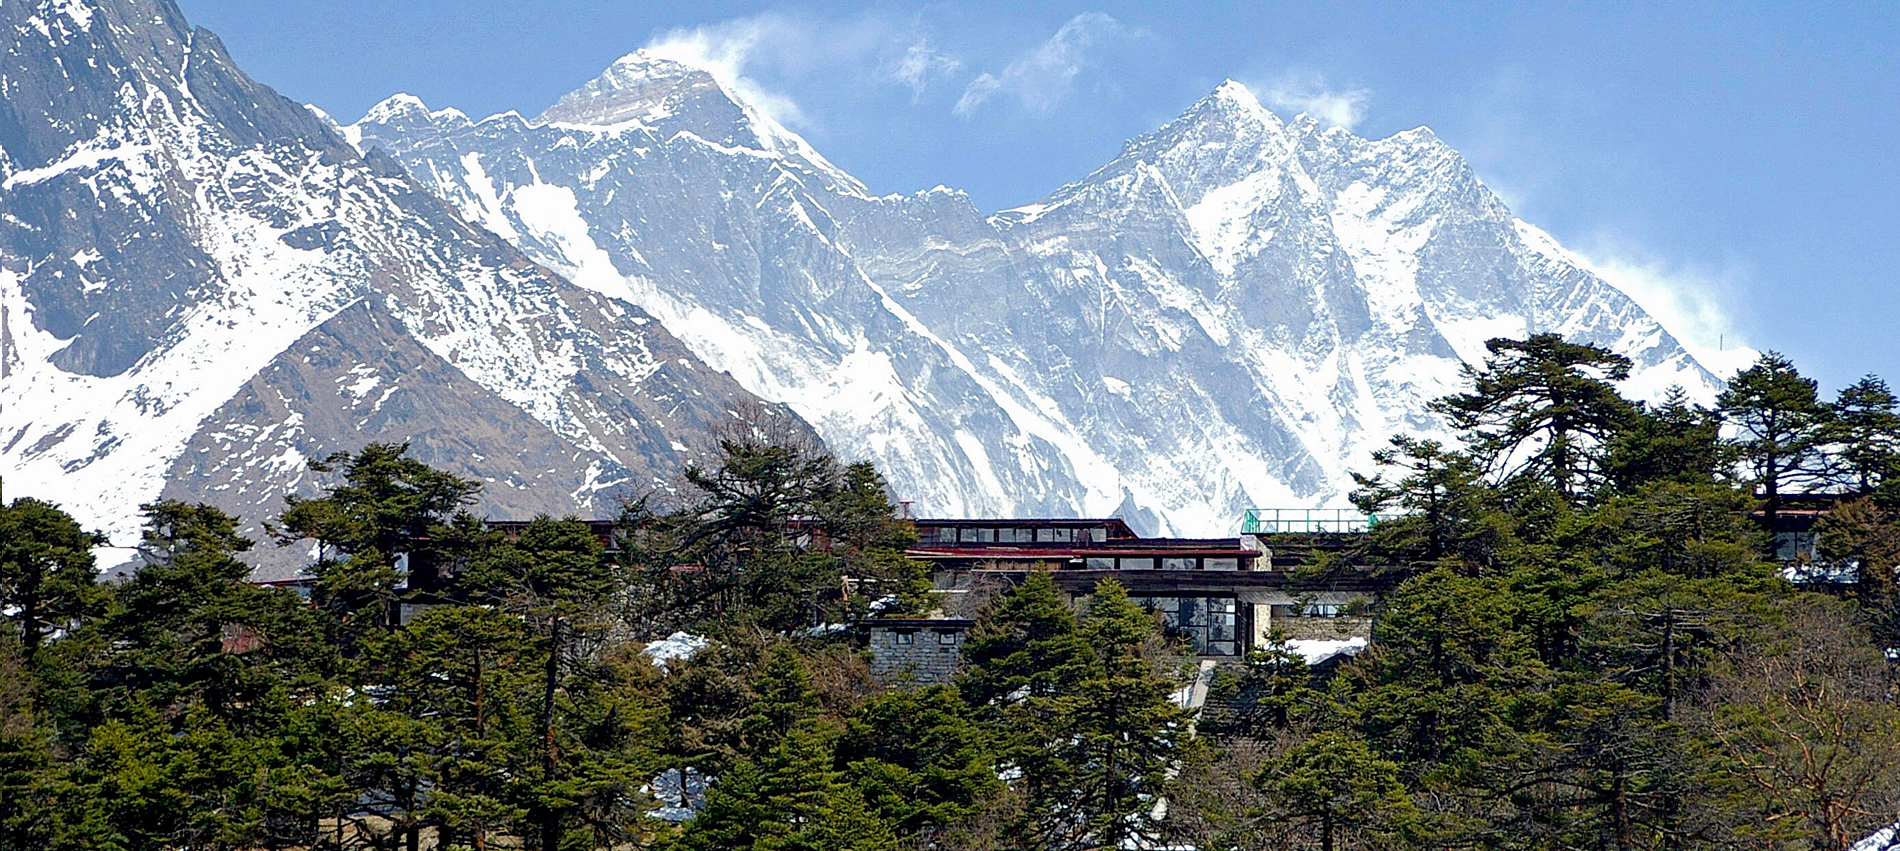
(868, 48)
(919, 64)
(1045, 73)
(1307, 92)
(728, 48)
(1691, 301)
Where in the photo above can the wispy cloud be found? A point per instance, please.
(1044, 74)
(919, 65)
(729, 48)
(868, 48)
(1307, 92)
(1691, 301)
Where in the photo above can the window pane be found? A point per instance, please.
(1192, 613)
(1138, 564)
(1220, 604)
(1046, 536)
(1222, 564)
(1098, 534)
(1221, 648)
(1098, 563)
(1180, 564)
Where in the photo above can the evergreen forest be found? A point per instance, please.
(1590, 641)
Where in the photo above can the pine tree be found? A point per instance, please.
(1026, 645)
(1440, 498)
(555, 575)
(783, 700)
(920, 759)
(793, 799)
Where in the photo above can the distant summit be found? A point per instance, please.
(1235, 311)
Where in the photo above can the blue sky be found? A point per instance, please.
(1732, 164)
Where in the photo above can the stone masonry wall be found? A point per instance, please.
(930, 656)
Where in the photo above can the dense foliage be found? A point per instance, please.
(1588, 642)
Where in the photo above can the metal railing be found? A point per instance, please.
(1277, 521)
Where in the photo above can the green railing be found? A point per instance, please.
(1278, 521)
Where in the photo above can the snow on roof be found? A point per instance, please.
(1317, 650)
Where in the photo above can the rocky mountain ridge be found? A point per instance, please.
(202, 285)
(1235, 311)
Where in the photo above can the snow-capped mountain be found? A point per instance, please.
(1233, 312)
(202, 285)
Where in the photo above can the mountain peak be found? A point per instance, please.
(398, 105)
(637, 87)
(1232, 103)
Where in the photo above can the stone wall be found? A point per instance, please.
(922, 655)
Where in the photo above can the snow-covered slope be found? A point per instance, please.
(202, 284)
(1233, 312)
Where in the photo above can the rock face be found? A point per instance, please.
(202, 284)
(1233, 312)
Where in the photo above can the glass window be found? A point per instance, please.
(1046, 536)
(1098, 534)
(946, 637)
(1323, 610)
(1180, 564)
(1222, 564)
(1138, 564)
(927, 534)
(1099, 563)
(903, 637)
(1193, 612)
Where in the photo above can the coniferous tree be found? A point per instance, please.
(1123, 727)
(1333, 786)
(1543, 408)
(555, 575)
(1675, 441)
(921, 761)
(1439, 498)
(390, 513)
(1027, 645)
(1782, 427)
(1866, 434)
(46, 571)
